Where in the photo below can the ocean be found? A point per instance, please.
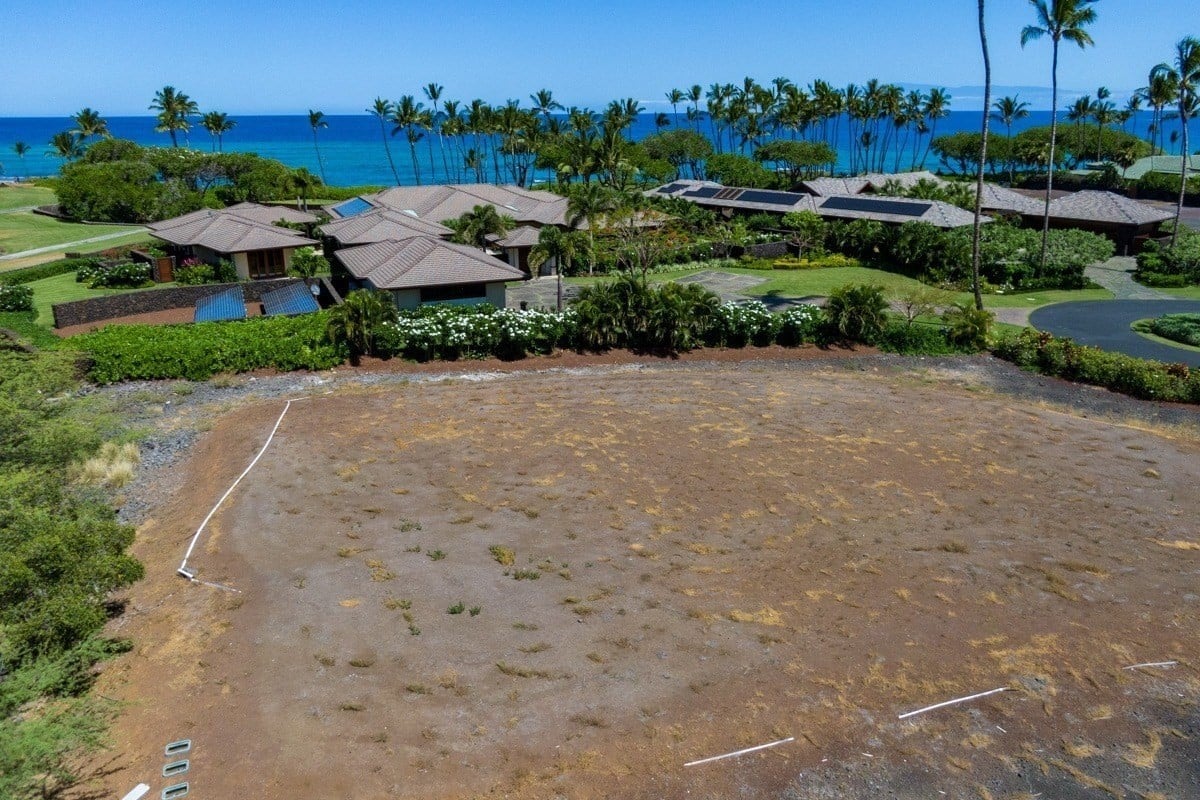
(352, 148)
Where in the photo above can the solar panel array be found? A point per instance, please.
(704, 193)
(229, 304)
(671, 188)
(872, 205)
(784, 199)
(352, 207)
(295, 298)
(728, 194)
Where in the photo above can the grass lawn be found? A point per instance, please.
(61, 289)
(25, 196)
(25, 230)
(1186, 293)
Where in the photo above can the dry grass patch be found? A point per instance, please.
(113, 466)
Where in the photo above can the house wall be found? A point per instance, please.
(408, 299)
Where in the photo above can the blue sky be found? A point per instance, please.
(290, 55)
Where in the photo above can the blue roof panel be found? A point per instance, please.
(352, 207)
(295, 298)
(229, 304)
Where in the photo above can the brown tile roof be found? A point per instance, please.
(224, 232)
(380, 225)
(887, 209)
(271, 214)
(827, 187)
(423, 261)
(873, 181)
(524, 236)
(1096, 206)
(998, 198)
(440, 203)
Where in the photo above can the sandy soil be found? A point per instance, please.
(703, 559)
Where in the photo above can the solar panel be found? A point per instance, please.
(229, 304)
(728, 194)
(785, 199)
(872, 205)
(671, 188)
(703, 193)
(295, 298)
(352, 207)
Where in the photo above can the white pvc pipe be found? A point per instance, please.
(951, 702)
(183, 570)
(136, 792)
(741, 752)
(1153, 664)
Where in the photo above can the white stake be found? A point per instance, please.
(951, 702)
(1153, 664)
(741, 752)
(136, 792)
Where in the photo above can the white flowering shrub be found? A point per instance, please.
(737, 325)
(799, 324)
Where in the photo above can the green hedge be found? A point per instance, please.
(1184, 328)
(50, 270)
(197, 352)
(1063, 358)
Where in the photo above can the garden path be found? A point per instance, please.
(1116, 276)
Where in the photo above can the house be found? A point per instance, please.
(443, 202)
(377, 225)
(257, 249)
(1127, 222)
(270, 215)
(424, 269)
(729, 199)
(895, 210)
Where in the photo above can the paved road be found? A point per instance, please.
(65, 246)
(1105, 324)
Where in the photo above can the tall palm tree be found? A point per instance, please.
(1104, 112)
(1184, 73)
(1159, 92)
(987, 103)
(433, 93)
(1058, 19)
(89, 123)
(67, 145)
(555, 243)
(937, 106)
(382, 109)
(588, 203)
(1006, 111)
(407, 117)
(694, 93)
(303, 182)
(316, 121)
(174, 108)
(217, 124)
(675, 97)
(21, 148)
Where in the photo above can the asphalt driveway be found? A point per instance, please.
(1105, 324)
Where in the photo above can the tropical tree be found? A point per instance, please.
(316, 121)
(357, 320)
(937, 106)
(174, 108)
(1006, 111)
(480, 225)
(1058, 19)
(407, 117)
(987, 104)
(382, 109)
(67, 145)
(89, 123)
(21, 148)
(675, 97)
(217, 124)
(693, 95)
(1104, 111)
(559, 245)
(1184, 74)
(303, 182)
(588, 203)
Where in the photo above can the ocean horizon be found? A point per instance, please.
(352, 151)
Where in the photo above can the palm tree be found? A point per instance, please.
(20, 148)
(173, 109)
(1159, 92)
(588, 203)
(937, 106)
(356, 321)
(407, 117)
(316, 121)
(987, 103)
(693, 95)
(675, 97)
(1104, 112)
(66, 145)
(89, 123)
(1184, 73)
(433, 92)
(480, 225)
(382, 109)
(555, 243)
(1006, 111)
(217, 124)
(1058, 19)
(303, 182)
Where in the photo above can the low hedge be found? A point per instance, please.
(51, 270)
(1182, 328)
(197, 352)
(813, 262)
(1063, 358)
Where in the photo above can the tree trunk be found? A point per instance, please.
(387, 148)
(987, 103)
(1183, 167)
(1053, 141)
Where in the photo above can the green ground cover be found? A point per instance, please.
(24, 230)
(25, 196)
(62, 289)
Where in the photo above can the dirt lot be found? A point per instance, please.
(702, 559)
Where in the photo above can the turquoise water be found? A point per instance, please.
(352, 151)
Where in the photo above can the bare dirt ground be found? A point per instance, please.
(664, 564)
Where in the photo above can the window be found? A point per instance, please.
(446, 294)
(265, 263)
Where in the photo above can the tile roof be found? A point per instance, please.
(269, 215)
(1097, 206)
(451, 201)
(998, 198)
(934, 212)
(524, 236)
(826, 187)
(380, 225)
(423, 261)
(224, 232)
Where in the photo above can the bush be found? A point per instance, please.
(857, 311)
(16, 298)
(915, 340)
(194, 273)
(632, 314)
(355, 323)
(816, 262)
(798, 325)
(197, 352)
(967, 327)
(1149, 380)
(740, 324)
(125, 275)
(50, 270)
(1163, 265)
(1183, 328)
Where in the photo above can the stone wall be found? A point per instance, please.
(768, 250)
(124, 304)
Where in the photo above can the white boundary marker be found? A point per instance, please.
(136, 792)
(1152, 664)
(951, 702)
(741, 752)
(183, 570)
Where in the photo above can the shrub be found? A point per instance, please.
(194, 273)
(737, 325)
(125, 275)
(915, 340)
(1163, 265)
(857, 311)
(815, 262)
(50, 270)
(967, 327)
(225, 271)
(1149, 380)
(16, 298)
(355, 323)
(799, 324)
(87, 270)
(630, 313)
(197, 352)
(1183, 328)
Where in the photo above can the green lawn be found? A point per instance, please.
(25, 196)
(1186, 293)
(60, 289)
(25, 230)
